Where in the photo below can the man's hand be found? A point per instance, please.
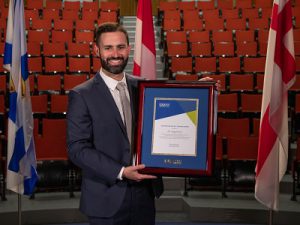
(132, 173)
(218, 82)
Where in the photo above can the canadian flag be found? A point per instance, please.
(144, 48)
(273, 134)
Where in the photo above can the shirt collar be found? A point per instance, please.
(110, 82)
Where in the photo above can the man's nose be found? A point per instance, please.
(115, 52)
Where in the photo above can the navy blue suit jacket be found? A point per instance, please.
(98, 144)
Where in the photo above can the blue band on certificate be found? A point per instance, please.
(176, 136)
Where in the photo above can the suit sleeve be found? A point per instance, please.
(80, 143)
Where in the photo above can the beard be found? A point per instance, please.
(114, 69)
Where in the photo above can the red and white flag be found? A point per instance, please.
(144, 48)
(273, 134)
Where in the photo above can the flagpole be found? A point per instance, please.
(19, 207)
(270, 217)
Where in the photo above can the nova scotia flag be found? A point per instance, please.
(21, 160)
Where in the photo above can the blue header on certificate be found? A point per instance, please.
(166, 107)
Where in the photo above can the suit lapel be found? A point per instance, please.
(110, 102)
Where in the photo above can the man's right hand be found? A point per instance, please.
(132, 173)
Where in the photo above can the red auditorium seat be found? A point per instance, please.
(109, 6)
(296, 85)
(78, 49)
(201, 49)
(229, 64)
(49, 83)
(246, 48)
(263, 3)
(228, 103)
(233, 127)
(210, 14)
(53, 4)
(259, 82)
(70, 14)
(250, 13)
(172, 15)
(254, 64)
(3, 85)
(230, 13)
(108, 16)
(206, 5)
(89, 15)
(177, 49)
(2, 105)
(171, 24)
(31, 83)
(79, 65)
(214, 24)
(225, 4)
(54, 49)
(245, 36)
(61, 36)
(223, 48)
(163, 6)
(55, 65)
(58, 104)
(31, 14)
(70, 81)
(39, 104)
(243, 4)
(176, 36)
(241, 83)
(85, 25)
(34, 4)
(38, 36)
(54, 132)
(255, 127)
(199, 36)
(84, 36)
(90, 6)
(259, 23)
(187, 6)
(222, 36)
(96, 64)
(236, 24)
(181, 64)
(41, 24)
(251, 103)
(35, 64)
(33, 49)
(203, 65)
(63, 24)
(72, 5)
(244, 148)
(52, 14)
(192, 21)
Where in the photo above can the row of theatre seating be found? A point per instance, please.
(229, 42)
(239, 101)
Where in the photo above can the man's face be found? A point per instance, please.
(113, 51)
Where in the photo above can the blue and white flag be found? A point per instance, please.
(21, 159)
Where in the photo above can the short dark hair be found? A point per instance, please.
(110, 27)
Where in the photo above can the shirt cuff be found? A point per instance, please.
(121, 173)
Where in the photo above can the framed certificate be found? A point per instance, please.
(175, 129)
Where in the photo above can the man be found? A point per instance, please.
(99, 130)
(113, 191)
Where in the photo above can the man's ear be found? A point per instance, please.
(96, 50)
